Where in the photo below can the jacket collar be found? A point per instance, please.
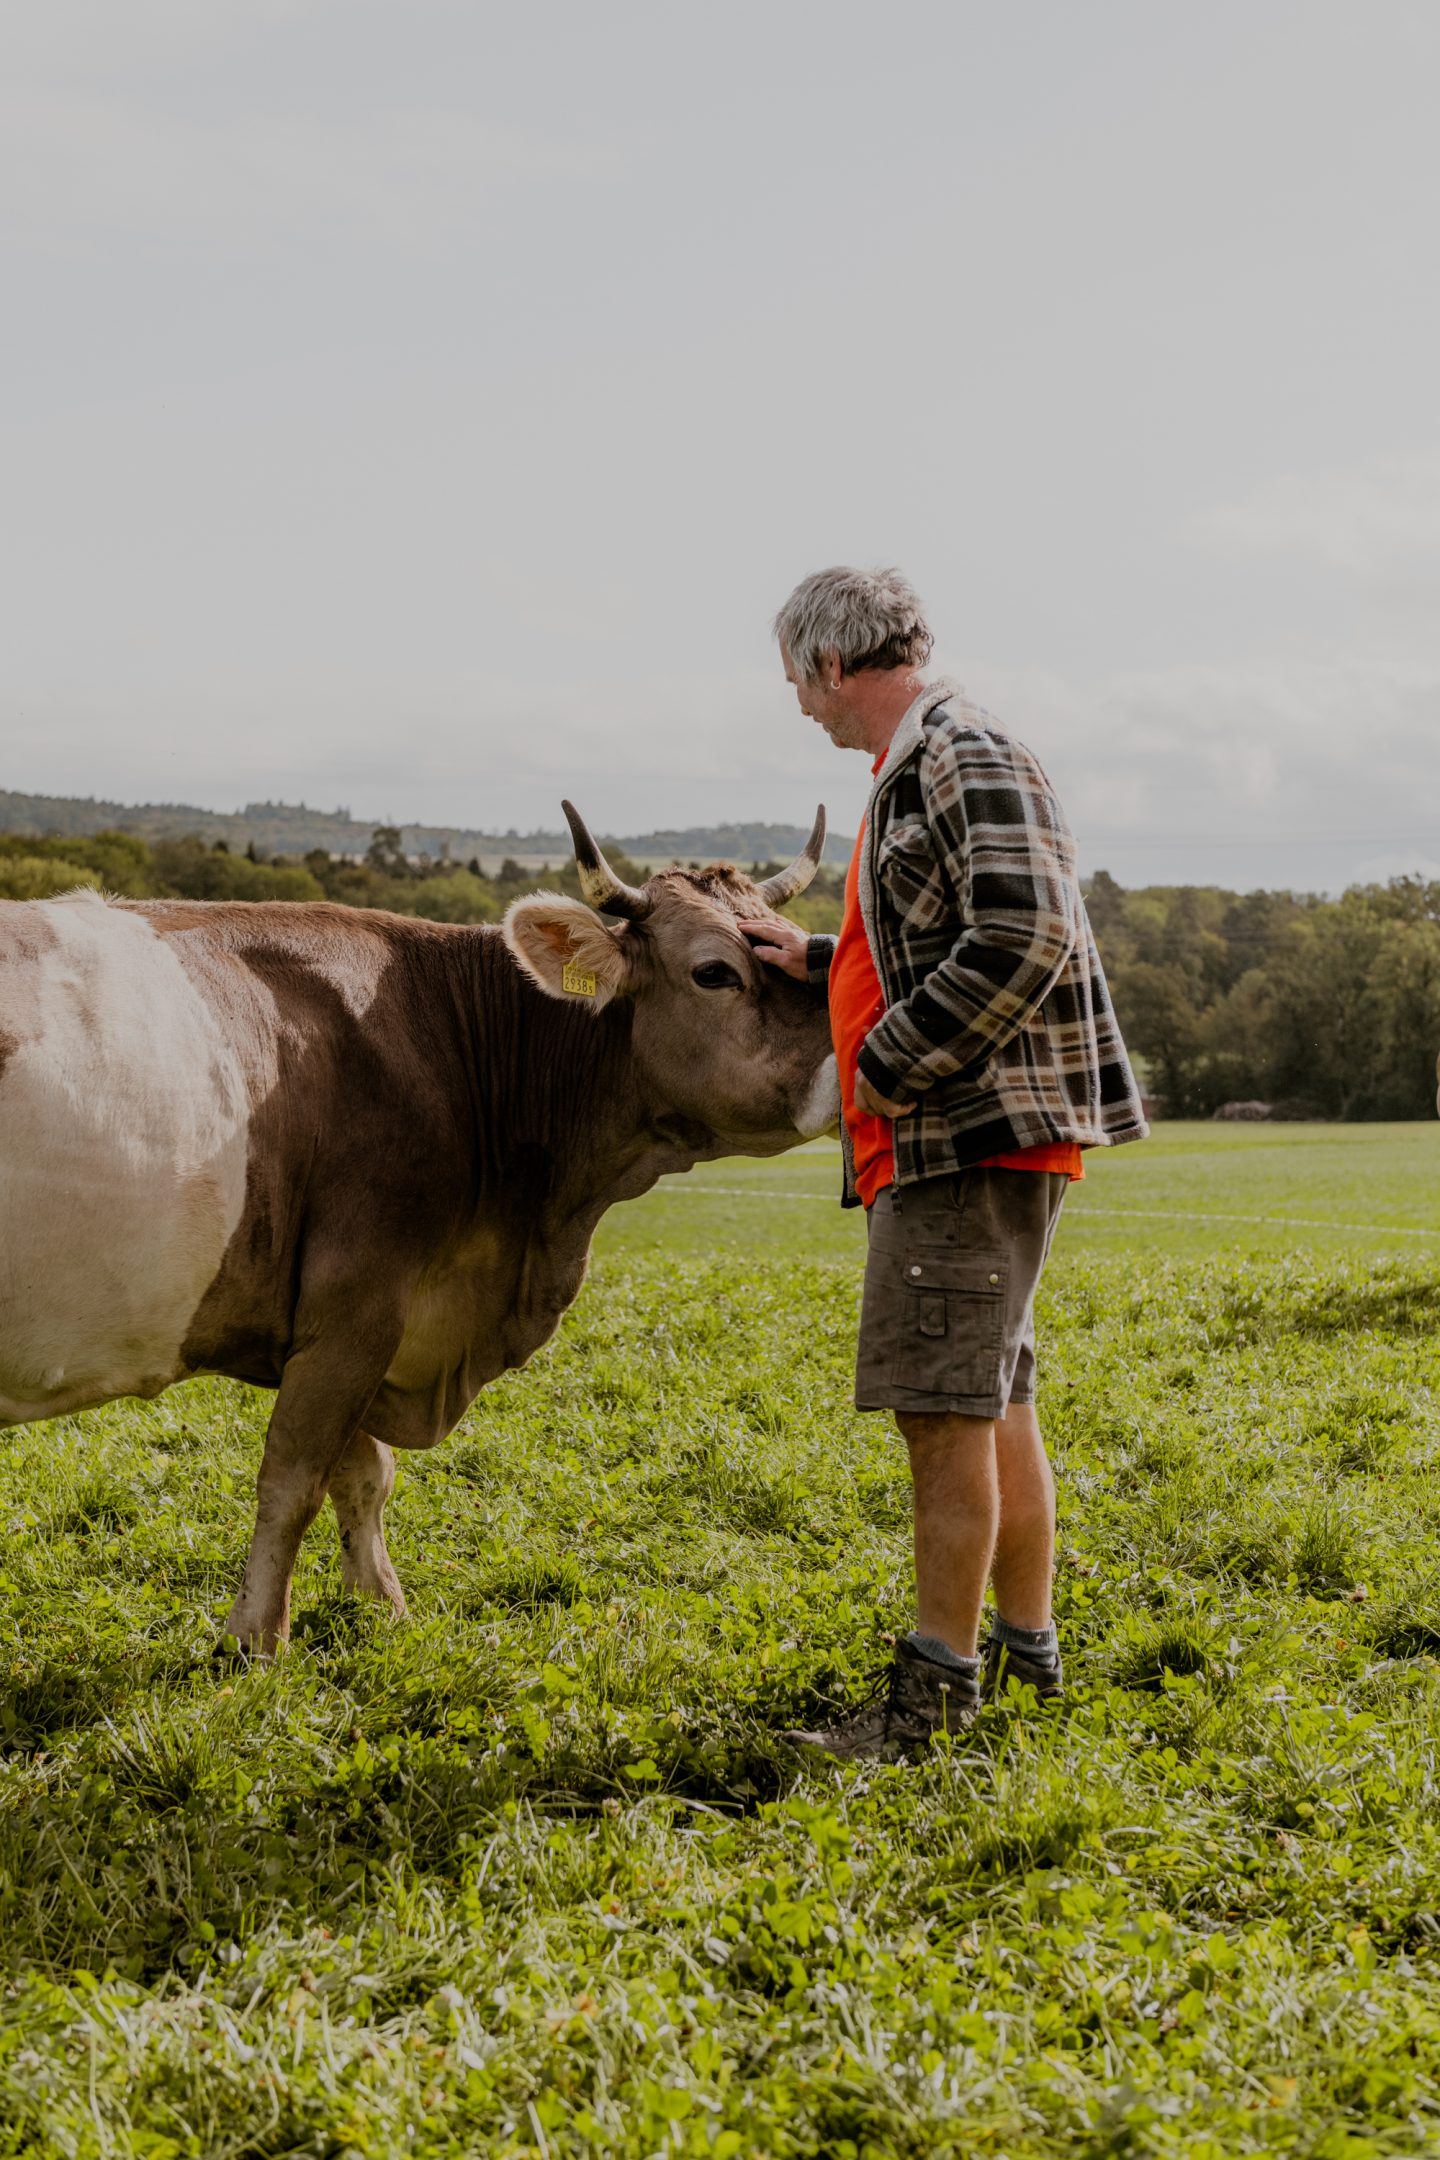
(910, 734)
(905, 743)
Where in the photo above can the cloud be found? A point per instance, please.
(634, 752)
(79, 162)
(1373, 521)
(75, 37)
(1279, 773)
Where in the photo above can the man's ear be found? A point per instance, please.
(565, 948)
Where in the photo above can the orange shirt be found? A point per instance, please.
(856, 1003)
(1063, 1156)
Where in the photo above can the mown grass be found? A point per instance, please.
(1191, 1191)
(531, 1873)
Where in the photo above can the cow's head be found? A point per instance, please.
(720, 1038)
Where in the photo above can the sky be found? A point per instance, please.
(424, 405)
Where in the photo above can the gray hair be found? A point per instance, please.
(870, 618)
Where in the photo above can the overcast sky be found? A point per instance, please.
(423, 405)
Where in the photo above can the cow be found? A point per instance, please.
(358, 1157)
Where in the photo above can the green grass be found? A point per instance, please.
(1190, 1189)
(530, 1873)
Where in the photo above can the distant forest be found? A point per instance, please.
(1320, 1008)
(275, 828)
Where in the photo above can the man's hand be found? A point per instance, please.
(875, 1105)
(780, 944)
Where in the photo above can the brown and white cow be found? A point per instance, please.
(357, 1157)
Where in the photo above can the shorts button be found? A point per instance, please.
(915, 1271)
(994, 1278)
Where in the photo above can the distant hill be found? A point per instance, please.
(294, 828)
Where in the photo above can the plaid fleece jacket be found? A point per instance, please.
(999, 1026)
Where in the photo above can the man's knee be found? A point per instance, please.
(932, 1429)
(950, 1458)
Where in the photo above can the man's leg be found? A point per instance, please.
(1025, 1546)
(958, 1508)
(949, 1275)
(934, 1682)
(1022, 1641)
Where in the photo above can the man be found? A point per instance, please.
(978, 1054)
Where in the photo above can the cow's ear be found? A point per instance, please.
(565, 948)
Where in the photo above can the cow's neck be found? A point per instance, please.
(564, 1125)
(549, 1126)
(626, 1144)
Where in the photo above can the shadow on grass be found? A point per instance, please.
(45, 1700)
(1175, 1651)
(170, 1838)
(1389, 1304)
(1413, 1637)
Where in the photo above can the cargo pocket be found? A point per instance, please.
(951, 1329)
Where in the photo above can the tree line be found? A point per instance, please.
(297, 829)
(384, 876)
(1324, 1008)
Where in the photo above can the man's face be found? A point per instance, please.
(826, 698)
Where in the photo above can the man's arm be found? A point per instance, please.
(785, 946)
(819, 952)
(996, 820)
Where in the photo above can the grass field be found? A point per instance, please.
(531, 1874)
(1191, 1189)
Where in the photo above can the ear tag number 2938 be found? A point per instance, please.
(575, 979)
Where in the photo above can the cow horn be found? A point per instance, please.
(786, 883)
(610, 894)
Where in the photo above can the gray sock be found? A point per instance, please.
(940, 1653)
(1041, 1644)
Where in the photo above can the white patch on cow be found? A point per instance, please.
(821, 1107)
(353, 971)
(123, 1122)
(353, 966)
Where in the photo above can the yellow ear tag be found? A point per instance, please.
(574, 979)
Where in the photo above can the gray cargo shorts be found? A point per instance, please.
(947, 1322)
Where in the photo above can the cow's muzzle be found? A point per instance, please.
(820, 1108)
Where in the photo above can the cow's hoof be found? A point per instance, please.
(242, 1651)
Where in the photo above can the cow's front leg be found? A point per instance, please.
(360, 1484)
(289, 1491)
(325, 1390)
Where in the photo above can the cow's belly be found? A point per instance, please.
(123, 1119)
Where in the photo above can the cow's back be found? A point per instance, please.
(124, 1109)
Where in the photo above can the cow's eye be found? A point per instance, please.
(716, 975)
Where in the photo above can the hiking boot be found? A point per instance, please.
(911, 1701)
(1003, 1661)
